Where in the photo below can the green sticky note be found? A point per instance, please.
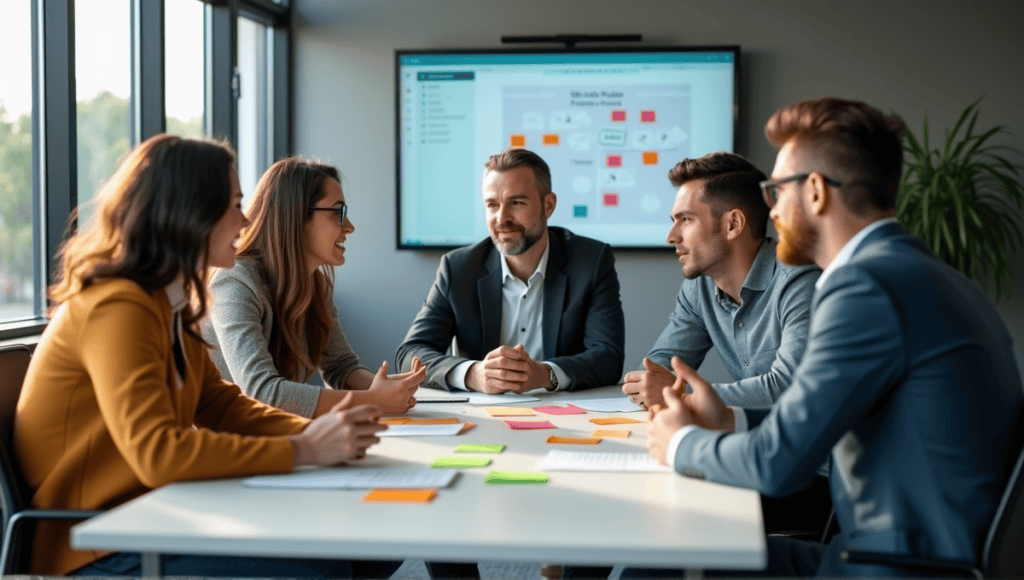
(479, 448)
(516, 477)
(449, 461)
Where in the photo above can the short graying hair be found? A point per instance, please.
(516, 157)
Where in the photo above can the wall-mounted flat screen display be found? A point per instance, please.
(610, 123)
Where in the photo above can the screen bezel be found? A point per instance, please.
(400, 53)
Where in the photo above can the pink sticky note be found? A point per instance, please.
(530, 424)
(611, 199)
(614, 161)
(567, 410)
(618, 115)
(647, 116)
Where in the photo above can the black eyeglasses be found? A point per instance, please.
(341, 211)
(770, 187)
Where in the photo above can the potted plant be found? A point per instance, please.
(965, 201)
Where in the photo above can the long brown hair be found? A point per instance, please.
(152, 222)
(276, 241)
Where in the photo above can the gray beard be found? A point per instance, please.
(525, 243)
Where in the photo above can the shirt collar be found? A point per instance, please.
(176, 294)
(762, 269)
(542, 265)
(849, 248)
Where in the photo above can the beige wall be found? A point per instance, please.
(905, 57)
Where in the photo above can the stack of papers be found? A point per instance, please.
(557, 460)
(614, 405)
(356, 478)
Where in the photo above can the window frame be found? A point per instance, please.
(54, 131)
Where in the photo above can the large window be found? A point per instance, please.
(103, 83)
(82, 81)
(17, 259)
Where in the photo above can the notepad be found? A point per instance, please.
(426, 421)
(573, 440)
(558, 460)
(613, 405)
(480, 448)
(516, 477)
(531, 424)
(452, 461)
(356, 478)
(419, 430)
(503, 399)
(567, 410)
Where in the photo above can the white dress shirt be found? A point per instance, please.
(522, 319)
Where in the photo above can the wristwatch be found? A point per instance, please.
(552, 377)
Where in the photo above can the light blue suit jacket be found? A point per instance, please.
(910, 383)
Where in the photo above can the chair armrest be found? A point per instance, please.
(11, 539)
(54, 515)
(929, 565)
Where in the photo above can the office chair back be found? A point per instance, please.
(1003, 553)
(14, 492)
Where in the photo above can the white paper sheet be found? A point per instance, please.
(420, 430)
(613, 405)
(356, 478)
(503, 399)
(557, 460)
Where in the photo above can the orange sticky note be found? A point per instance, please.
(518, 141)
(466, 427)
(650, 157)
(435, 421)
(574, 440)
(400, 496)
(394, 421)
(614, 420)
(623, 433)
(551, 138)
(509, 411)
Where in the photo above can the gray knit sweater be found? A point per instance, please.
(238, 326)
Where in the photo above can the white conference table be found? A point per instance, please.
(658, 520)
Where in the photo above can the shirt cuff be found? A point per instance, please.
(563, 379)
(457, 376)
(741, 426)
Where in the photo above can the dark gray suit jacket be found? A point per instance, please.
(584, 328)
(909, 381)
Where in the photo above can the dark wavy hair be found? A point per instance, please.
(276, 241)
(153, 221)
(731, 182)
(846, 140)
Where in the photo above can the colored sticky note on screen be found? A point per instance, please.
(509, 411)
(613, 160)
(479, 448)
(517, 141)
(611, 199)
(574, 440)
(618, 115)
(453, 461)
(613, 420)
(566, 410)
(648, 116)
(516, 477)
(650, 157)
(400, 496)
(530, 424)
(621, 433)
(551, 139)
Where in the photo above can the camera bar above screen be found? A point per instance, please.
(610, 123)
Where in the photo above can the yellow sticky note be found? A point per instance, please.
(623, 433)
(435, 421)
(574, 440)
(614, 420)
(400, 496)
(509, 411)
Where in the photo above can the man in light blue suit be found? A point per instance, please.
(908, 382)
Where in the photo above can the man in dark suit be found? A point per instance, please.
(531, 307)
(908, 382)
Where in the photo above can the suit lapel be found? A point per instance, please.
(555, 282)
(489, 291)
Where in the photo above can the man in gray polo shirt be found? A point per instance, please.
(736, 297)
